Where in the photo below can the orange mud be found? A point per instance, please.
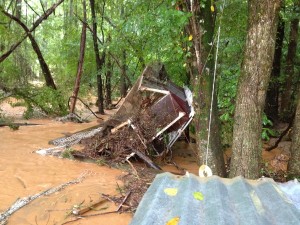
(24, 173)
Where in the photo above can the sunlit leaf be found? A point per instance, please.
(171, 191)
(173, 221)
(198, 196)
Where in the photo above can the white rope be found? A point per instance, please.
(213, 88)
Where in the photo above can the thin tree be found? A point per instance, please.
(80, 61)
(34, 26)
(44, 66)
(99, 61)
(209, 149)
(252, 87)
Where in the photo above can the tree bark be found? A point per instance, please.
(272, 104)
(80, 61)
(44, 66)
(286, 98)
(123, 86)
(35, 25)
(202, 81)
(252, 87)
(294, 163)
(109, 69)
(99, 61)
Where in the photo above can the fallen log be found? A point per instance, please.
(18, 124)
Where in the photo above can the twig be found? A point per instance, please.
(136, 173)
(124, 200)
(119, 188)
(108, 198)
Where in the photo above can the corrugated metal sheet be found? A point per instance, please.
(190, 200)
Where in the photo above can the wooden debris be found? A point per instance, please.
(114, 130)
(146, 159)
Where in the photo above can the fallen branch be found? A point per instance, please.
(146, 159)
(26, 200)
(282, 134)
(17, 124)
(124, 200)
(103, 213)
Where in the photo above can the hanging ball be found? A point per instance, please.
(205, 171)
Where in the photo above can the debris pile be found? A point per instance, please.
(152, 117)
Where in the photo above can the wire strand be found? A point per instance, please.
(213, 87)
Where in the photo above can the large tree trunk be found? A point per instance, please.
(286, 98)
(252, 87)
(44, 66)
(80, 61)
(202, 81)
(99, 61)
(294, 163)
(272, 104)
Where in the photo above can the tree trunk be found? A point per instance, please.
(99, 61)
(202, 89)
(286, 98)
(272, 104)
(80, 61)
(109, 69)
(44, 66)
(294, 163)
(123, 88)
(252, 87)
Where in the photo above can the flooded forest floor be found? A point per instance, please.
(102, 188)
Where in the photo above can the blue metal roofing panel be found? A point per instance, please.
(214, 200)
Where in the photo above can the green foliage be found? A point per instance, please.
(267, 131)
(68, 153)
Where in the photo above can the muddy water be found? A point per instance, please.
(25, 173)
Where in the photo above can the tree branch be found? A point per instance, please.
(35, 25)
(31, 8)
